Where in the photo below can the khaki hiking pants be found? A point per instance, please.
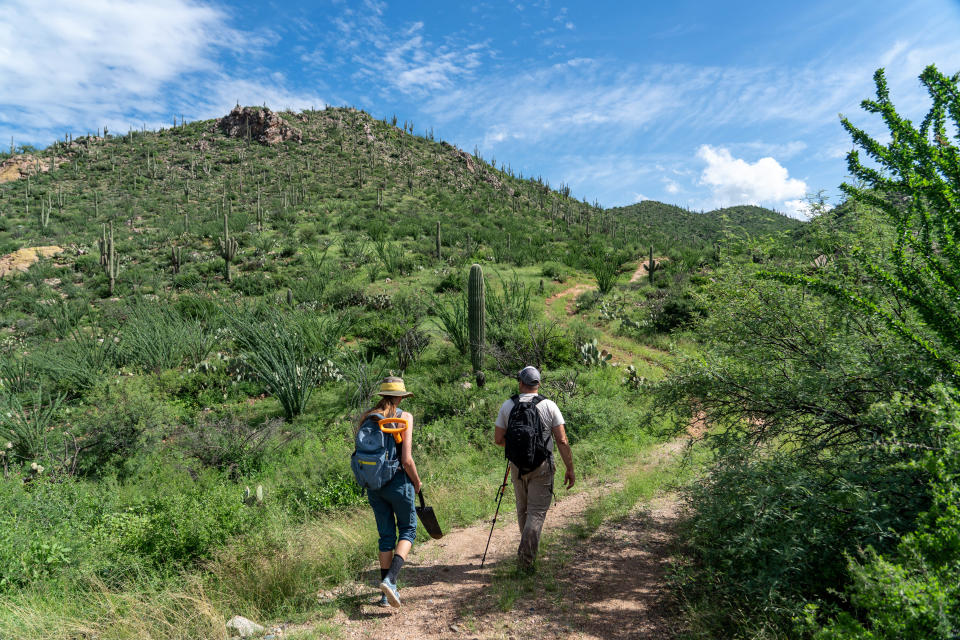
(533, 491)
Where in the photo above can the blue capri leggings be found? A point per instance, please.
(393, 507)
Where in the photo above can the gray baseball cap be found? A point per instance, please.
(529, 376)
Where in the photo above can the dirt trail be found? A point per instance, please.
(572, 293)
(610, 586)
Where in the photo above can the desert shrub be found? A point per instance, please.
(451, 281)
(80, 362)
(181, 520)
(587, 300)
(361, 375)
(913, 590)
(202, 309)
(121, 419)
(344, 295)
(511, 304)
(554, 271)
(678, 309)
(232, 444)
(450, 317)
(606, 269)
(541, 343)
(256, 284)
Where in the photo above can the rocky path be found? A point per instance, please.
(610, 585)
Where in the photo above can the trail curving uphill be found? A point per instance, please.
(609, 586)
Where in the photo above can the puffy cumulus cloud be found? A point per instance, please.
(735, 181)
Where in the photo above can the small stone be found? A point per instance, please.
(244, 628)
(454, 628)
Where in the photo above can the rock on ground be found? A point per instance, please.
(243, 627)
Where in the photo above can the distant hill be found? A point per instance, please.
(672, 226)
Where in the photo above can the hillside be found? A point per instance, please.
(673, 226)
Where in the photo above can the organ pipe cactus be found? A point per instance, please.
(476, 319)
(228, 248)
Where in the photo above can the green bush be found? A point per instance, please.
(912, 591)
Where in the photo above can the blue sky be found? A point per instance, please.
(702, 104)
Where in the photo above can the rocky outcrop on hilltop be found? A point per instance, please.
(258, 123)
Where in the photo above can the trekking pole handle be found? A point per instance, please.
(396, 431)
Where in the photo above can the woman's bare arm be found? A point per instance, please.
(406, 453)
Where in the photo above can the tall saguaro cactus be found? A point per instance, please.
(228, 248)
(108, 256)
(652, 266)
(476, 319)
(439, 256)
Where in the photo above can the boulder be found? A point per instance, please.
(260, 124)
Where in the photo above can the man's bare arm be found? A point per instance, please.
(563, 446)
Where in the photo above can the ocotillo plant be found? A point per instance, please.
(228, 248)
(476, 319)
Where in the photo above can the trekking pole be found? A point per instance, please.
(500, 492)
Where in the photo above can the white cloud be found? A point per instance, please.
(72, 65)
(639, 197)
(735, 181)
(403, 59)
(671, 187)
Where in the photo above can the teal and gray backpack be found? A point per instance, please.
(375, 458)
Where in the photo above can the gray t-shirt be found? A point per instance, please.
(550, 415)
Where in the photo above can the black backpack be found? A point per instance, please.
(526, 443)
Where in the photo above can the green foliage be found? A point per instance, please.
(155, 338)
(606, 269)
(913, 591)
(917, 188)
(28, 427)
(288, 353)
(451, 318)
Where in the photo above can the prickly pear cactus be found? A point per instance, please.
(593, 356)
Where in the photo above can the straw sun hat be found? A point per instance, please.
(393, 386)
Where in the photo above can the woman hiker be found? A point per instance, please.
(393, 503)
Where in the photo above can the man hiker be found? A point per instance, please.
(528, 426)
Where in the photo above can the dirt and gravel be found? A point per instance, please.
(610, 585)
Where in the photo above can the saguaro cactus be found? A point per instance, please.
(108, 256)
(176, 259)
(476, 319)
(228, 248)
(439, 256)
(651, 266)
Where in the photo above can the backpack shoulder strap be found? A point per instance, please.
(537, 399)
(515, 398)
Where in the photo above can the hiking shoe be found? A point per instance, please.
(382, 602)
(390, 592)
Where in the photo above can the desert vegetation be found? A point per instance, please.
(179, 378)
